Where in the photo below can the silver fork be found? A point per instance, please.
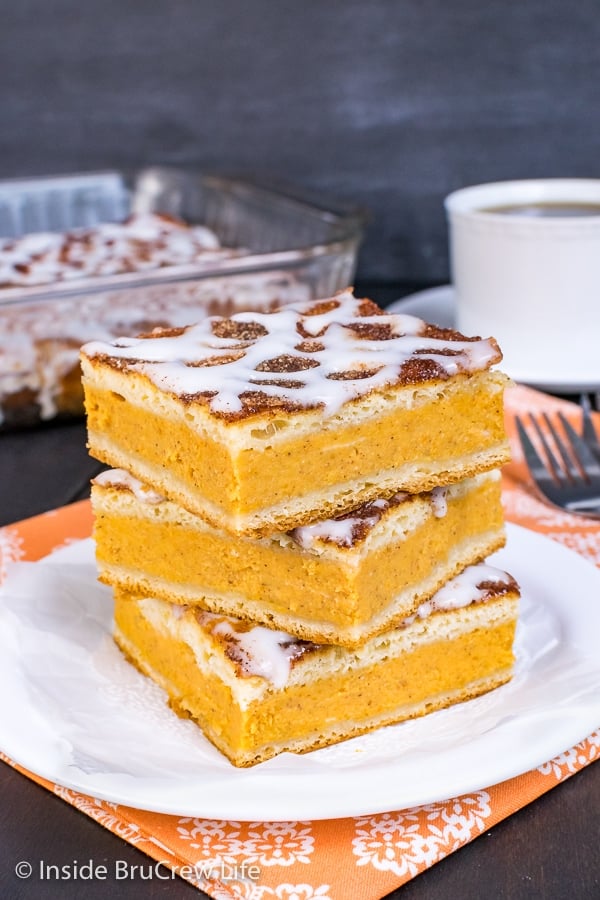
(567, 473)
(589, 433)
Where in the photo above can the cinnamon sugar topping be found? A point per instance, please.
(143, 242)
(354, 348)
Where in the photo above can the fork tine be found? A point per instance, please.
(589, 463)
(536, 464)
(555, 465)
(569, 466)
(589, 431)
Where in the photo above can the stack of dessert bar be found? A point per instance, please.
(296, 527)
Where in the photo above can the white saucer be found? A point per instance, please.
(436, 305)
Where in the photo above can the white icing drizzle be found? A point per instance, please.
(143, 242)
(439, 502)
(197, 362)
(343, 530)
(268, 654)
(335, 531)
(461, 591)
(121, 478)
(260, 651)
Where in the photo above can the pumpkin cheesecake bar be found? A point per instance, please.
(338, 580)
(257, 692)
(265, 422)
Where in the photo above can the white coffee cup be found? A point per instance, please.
(525, 263)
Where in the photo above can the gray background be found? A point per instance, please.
(388, 104)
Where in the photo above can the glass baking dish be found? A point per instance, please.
(291, 250)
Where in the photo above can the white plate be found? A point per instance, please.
(437, 305)
(73, 711)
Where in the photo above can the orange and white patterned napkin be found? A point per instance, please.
(362, 858)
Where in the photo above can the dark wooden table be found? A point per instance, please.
(549, 850)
